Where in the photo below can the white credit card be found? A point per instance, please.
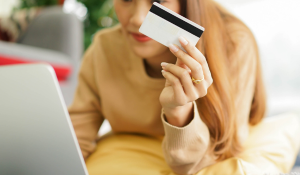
(166, 26)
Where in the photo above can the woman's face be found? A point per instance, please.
(131, 14)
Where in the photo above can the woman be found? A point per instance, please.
(143, 87)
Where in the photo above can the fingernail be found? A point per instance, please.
(164, 64)
(163, 71)
(184, 41)
(173, 48)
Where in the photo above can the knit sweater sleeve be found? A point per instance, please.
(185, 147)
(85, 111)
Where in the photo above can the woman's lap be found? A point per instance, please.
(128, 154)
(269, 149)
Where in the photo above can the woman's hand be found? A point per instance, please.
(180, 91)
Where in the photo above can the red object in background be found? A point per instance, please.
(61, 2)
(62, 71)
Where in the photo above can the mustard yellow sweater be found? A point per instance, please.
(114, 85)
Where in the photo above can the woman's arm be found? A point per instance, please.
(85, 111)
(185, 148)
(187, 138)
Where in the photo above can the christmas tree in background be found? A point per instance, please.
(100, 15)
(37, 3)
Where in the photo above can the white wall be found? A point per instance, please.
(6, 6)
(276, 26)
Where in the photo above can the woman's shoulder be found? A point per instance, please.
(239, 33)
(242, 46)
(109, 46)
(110, 42)
(108, 35)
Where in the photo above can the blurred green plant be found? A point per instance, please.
(36, 3)
(101, 15)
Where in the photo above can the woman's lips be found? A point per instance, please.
(140, 38)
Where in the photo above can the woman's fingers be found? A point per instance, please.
(185, 79)
(195, 66)
(192, 51)
(179, 95)
(180, 88)
(198, 56)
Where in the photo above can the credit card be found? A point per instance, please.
(166, 26)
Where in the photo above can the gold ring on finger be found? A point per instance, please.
(197, 81)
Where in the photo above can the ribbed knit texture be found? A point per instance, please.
(181, 137)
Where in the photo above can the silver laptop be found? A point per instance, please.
(36, 133)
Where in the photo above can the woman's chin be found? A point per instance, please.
(143, 53)
(148, 51)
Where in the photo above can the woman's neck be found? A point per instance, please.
(153, 67)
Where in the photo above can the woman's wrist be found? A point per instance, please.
(179, 116)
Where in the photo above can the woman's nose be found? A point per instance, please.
(138, 16)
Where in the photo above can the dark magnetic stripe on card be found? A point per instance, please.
(176, 21)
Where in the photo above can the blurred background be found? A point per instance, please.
(58, 32)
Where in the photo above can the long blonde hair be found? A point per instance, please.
(217, 108)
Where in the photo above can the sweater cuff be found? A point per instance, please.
(178, 137)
